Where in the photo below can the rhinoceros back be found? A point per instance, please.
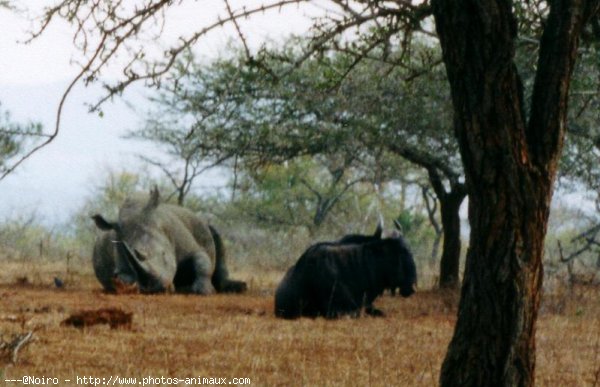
(187, 230)
(206, 238)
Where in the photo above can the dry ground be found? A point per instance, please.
(238, 336)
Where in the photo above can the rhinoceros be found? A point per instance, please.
(161, 247)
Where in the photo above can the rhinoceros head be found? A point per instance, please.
(145, 256)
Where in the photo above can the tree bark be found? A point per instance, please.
(510, 167)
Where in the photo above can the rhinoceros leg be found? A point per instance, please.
(103, 259)
(194, 275)
(220, 278)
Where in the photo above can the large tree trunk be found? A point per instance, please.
(510, 167)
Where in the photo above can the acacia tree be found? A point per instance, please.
(301, 192)
(510, 157)
(186, 155)
(238, 109)
(230, 111)
(509, 154)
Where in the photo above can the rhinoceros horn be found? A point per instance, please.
(149, 282)
(154, 200)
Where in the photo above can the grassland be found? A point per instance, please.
(237, 336)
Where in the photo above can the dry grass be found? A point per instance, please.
(238, 336)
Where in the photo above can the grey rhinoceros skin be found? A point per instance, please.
(103, 259)
(161, 247)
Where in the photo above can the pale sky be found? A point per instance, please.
(55, 182)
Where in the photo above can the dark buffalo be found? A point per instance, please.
(361, 238)
(334, 279)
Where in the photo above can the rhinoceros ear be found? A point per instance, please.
(102, 223)
(154, 199)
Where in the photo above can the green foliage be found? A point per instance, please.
(269, 223)
(351, 124)
(15, 138)
(231, 107)
(410, 221)
(302, 192)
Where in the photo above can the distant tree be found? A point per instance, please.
(232, 109)
(185, 160)
(302, 192)
(15, 139)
